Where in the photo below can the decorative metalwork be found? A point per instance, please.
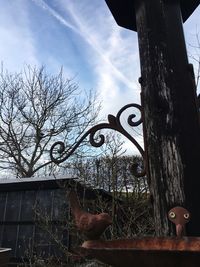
(179, 216)
(114, 123)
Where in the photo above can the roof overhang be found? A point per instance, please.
(124, 13)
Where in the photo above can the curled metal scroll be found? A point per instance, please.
(114, 124)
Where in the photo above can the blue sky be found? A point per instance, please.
(81, 36)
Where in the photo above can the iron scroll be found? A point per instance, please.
(58, 151)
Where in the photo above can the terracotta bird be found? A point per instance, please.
(91, 225)
(179, 216)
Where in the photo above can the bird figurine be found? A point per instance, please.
(179, 216)
(91, 225)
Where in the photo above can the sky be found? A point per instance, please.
(83, 38)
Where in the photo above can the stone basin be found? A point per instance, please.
(145, 252)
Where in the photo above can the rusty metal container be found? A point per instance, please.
(145, 252)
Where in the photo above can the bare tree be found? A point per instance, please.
(194, 54)
(37, 109)
(112, 171)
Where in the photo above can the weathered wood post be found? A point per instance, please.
(169, 103)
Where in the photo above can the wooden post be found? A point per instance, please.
(170, 113)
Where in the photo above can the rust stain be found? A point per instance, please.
(145, 252)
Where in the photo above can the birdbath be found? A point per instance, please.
(145, 252)
(171, 127)
(170, 115)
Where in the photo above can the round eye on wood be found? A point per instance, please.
(186, 216)
(172, 215)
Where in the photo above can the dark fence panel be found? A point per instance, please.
(32, 218)
(35, 214)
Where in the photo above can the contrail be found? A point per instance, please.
(53, 13)
(83, 34)
(89, 39)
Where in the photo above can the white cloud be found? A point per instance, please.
(112, 52)
(17, 43)
(55, 14)
(116, 61)
(109, 53)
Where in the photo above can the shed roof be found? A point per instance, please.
(50, 182)
(32, 183)
(124, 13)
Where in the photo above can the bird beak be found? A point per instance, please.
(179, 230)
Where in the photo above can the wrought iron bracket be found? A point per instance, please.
(58, 151)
